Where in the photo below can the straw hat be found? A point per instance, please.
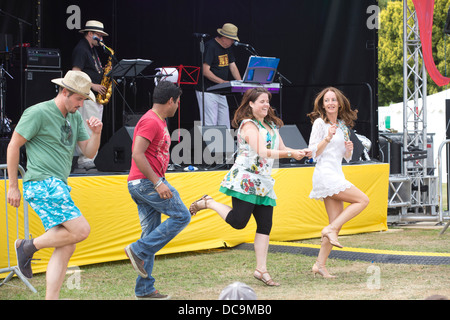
(78, 82)
(229, 30)
(95, 26)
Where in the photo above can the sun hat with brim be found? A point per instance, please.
(229, 30)
(77, 82)
(95, 26)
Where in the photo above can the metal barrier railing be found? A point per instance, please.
(441, 210)
(15, 269)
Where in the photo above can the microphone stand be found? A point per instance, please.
(251, 50)
(202, 50)
(280, 79)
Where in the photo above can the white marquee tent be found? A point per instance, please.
(436, 122)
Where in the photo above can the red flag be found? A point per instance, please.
(424, 11)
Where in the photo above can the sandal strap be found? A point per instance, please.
(268, 281)
(196, 206)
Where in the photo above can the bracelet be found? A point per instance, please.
(327, 139)
(159, 183)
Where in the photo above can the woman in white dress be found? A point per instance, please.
(330, 143)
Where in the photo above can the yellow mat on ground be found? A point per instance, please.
(113, 217)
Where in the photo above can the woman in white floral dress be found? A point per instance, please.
(249, 181)
(330, 143)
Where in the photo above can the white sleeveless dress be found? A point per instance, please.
(328, 177)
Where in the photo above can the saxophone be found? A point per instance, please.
(106, 81)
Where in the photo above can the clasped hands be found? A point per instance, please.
(301, 153)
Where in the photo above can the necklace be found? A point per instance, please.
(335, 123)
(269, 138)
(158, 114)
(341, 125)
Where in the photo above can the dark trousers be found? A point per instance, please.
(239, 216)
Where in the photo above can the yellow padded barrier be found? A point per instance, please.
(112, 214)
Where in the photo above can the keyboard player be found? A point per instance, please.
(218, 62)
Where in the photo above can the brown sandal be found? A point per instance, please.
(266, 280)
(196, 207)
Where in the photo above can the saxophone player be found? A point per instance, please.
(85, 58)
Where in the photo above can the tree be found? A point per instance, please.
(390, 50)
(390, 54)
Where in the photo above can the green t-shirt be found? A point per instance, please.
(51, 140)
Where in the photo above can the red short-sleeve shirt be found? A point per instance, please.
(152, 128)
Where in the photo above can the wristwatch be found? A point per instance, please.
(289, 154)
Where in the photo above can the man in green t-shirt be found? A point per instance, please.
(50, 131)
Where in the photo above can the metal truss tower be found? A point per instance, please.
(415, 140)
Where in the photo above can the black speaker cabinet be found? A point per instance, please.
(212, 145)
(38, 86)
(292, 138)
(115, 155)
(358, 148)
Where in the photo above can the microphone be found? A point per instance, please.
(240, 44)
(102, 44)
(200, 35)
(98, 39)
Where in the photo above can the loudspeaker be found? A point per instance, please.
(131, 120)
(292, 138)
(212, 145)
(38, 86)
(42, 58)
(358, 147)
(115, 155)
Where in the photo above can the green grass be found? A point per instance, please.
(417, 240)
(202, 275)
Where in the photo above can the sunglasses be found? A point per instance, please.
(68, 129)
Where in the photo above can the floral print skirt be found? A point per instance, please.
(249, 186)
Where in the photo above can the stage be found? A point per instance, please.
(105, 202)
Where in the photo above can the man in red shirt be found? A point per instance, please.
(151, 191)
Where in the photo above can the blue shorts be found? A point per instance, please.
(50, 199)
